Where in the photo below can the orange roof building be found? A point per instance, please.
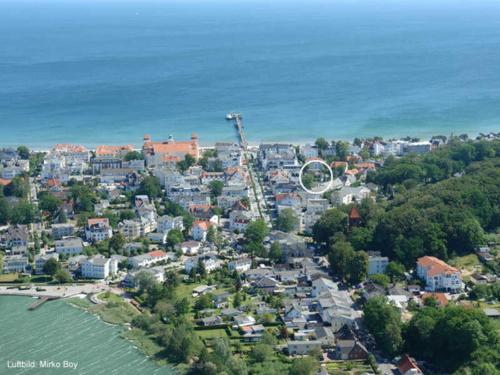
(170, 150)
(408, 366)
(438, 275)
(440, 297)
(113, 151)
(4, 181)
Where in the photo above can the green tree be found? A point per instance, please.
(23, 152)
(275, 252)
(395, 271)
(22, 213)
(216, 188)
(63, 277)
(333, 221)
(51, 267)
(256, 231)
(49, 203)
(133, 155)
(174, 237)
(287, 220)
(342, 150)
(117, 242)
(383, 322)
(304, 366)
(150, 186)
(321, 144)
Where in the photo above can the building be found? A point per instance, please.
(200, 229)
(157, 272)
(190, 247)
(15, 263)
(438, 275)
(148, 259)
(99, 267)
(239, 265)
(113, 151)
(157, 153)
(69, 246)
(211, 263)
(98, 229)
(17, 235)
(40, 261)
(299, 347)
(418, 148)
(408, 366)
(239, 220)
(62, 230)
(376, 263)
(166, 223)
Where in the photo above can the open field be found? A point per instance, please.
(348, 368)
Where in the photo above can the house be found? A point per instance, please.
(303, 347)
(239, 220)
(190, 247)
(69, 246)
(243, 320)
(267, 284)
(17, 235)
(211, 321)
(441, 298)
(351, 350)
(371, 290)
(15, 263)
(354, 217)
(321, 285)
(211, 263)
(148, 259)
(202, 289)
(239, 265)
(113, 151)
(408, 366)
(438, 275)
(376, 263)
(59, 231)
(98, 229)
(99, 267)
(166, 223)
(40, 261)
(200, 229)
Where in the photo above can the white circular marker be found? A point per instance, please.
(327, 186)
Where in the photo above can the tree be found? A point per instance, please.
(261, 352)
(212, 234)
(304, 366)
(342, 150)
(186, 163)
(174, 237)
(117, 242)
(380, 279)
(287, 220)
(23, 152)
(49, 203)
(63, 276)
(127, 215)
(357, 267)
(275, 252)
(18, 187)
(395, 271)
(4, 210)
(321, 144)
(331, 222)
(133, 155)
(307, 180)
(216, 188)
(150, 186)
(144, 281)
(205, 301)
(182, 344)
(383, 322)
(51, 267)
(256, 231)
(22, 213)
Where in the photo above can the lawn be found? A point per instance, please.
(211, 333)
(146, 343)
(348, 368)
(8, 277)
(115, 311)
(468, 262)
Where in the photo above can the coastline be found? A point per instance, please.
(251, 143)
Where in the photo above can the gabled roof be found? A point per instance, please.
(354, 214)
(406, 364)
(435, 266)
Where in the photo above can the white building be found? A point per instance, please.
(98, 229)
(15, 263)
(166, 223)
(239, 220)
(239, 265)
(376, 263)
(148, 259)
(438, 275)
(99, 267)
(62, 230)
(211, 263)
(69, 246)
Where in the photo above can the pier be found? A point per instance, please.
(40, 301)
(238, 124)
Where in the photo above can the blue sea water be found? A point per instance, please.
(108, 71)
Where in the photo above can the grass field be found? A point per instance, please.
(468, 262)
(348, 368)
(211, 333)
(146, 343)
(8, 277)
(115, 311)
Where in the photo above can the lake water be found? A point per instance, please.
(108, 71)
(58, 332)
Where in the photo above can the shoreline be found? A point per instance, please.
(252, 143)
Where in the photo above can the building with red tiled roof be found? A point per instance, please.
(408, 366)
(200, 229)
(4, 181)
(113, 151)
(440, 298)
(158, 152)
(354, 217)
(438, 275)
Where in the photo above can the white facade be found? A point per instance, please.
(438, 275)
(69, 246)
(99, 267)
(377, 264)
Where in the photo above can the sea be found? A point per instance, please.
(59, 333)
(109, 71)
